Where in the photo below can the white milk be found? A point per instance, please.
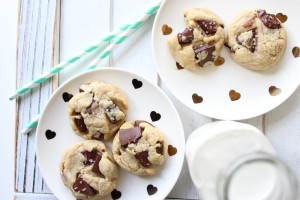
(255, 181)
(212, 147)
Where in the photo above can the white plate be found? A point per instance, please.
(142, 102)
(214, 84)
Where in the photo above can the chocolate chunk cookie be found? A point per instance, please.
(257, 39)
(200, 44)
(138, 147)
(98, 110)
(89, 170)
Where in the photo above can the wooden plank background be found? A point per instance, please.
(54, 30)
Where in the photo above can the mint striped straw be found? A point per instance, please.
(118, 40)
(128, 29)
(45, 76)
(31, 125)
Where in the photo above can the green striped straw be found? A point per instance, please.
(118, 40)
(45, 76)
(31, 125)
(127, 31)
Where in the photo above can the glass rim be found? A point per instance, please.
(226, 174)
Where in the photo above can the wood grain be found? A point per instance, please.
(35, 51)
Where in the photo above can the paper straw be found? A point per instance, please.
(31, 125)
(127, 31)
(45, 76)
(119, 39)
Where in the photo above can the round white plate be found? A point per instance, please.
(142, 101)
(213, 84)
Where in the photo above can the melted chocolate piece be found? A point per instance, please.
(112, 118)
(209, 48)
(96, 165)
(81, 90)
(186, 36)
(143, 158)
(268, 20)
(91, 157)
(130, 135)
(89, 109)
(100, 137)
(179, 67)
(249, 23)
(80, 123)
(251, 43)
(83, 187)
(160, 149)
(137, 122)
(229, 47)
(208, 27)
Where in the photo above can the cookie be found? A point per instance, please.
(139, 147)
(257, 39)
(200, 44)
(98, 111)
(89, 170)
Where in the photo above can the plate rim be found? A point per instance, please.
(99, 70)
(154, 56)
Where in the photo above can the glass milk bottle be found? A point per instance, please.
(235, 161)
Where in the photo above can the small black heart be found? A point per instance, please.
(115, 194)
(66, 96)
(151, 189)
(136, 83)
(155, 116)
(50, 134)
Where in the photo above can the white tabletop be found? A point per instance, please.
(52, 31)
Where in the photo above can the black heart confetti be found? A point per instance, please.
(115, 194)
(66, 96)
(155, 116)
(136, 83)
(50, 134)
(151, 189)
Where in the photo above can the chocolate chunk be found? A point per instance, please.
(268, 20)
(91, 157)
(143, 158)
(100, 137)
(249, 23)
(208, 27)
(186, 36)
(208, 55)
(231, 50)
(79, 122)
(130, 135)
(96, 165)
(160, 149)
(83, 187)
(109, 114)
(137, 122)
(179, 67)
(251, 43)
(89, 109)
(81, 90)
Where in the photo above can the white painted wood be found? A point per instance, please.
(32, 196)
(9, 20)
(35, 50)
(135, 53)
(81, 23)
(21, 196)
(283, 130)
